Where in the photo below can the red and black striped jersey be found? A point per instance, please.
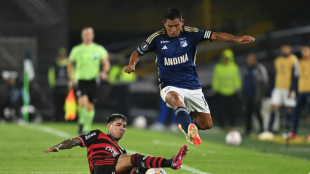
(101, 149)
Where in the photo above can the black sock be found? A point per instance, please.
(145, 161)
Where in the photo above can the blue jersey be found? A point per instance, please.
(175, 57)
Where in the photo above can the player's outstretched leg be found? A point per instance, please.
(145, 161)
(177, 158)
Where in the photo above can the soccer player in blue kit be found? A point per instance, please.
(180, 88)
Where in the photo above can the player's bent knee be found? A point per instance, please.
(123, 163)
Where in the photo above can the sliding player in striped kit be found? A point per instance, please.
(175, 48)
(106, 156)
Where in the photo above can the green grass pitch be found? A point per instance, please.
(21, 152)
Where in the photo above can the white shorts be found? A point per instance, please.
(280, 97)
(193, 98)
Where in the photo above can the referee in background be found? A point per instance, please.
(84, 68)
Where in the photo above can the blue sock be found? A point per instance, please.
(197, 125)
(183, 118)
(272, 117)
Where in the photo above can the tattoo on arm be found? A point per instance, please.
(68, 144)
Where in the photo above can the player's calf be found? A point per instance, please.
(204, 125)
(145, 161)
(202, 120)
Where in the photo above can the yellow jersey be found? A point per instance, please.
(284, 70)
(304, 75)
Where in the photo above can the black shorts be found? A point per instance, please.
(87, 87)
(106, 166)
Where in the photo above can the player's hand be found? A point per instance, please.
(70, 84)
(245, 40)
(53, 149)
(103, 75)
(130, 68)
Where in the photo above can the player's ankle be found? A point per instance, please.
(167, 162)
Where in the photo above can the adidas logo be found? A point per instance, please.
(164, 47)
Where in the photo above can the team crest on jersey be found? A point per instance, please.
(183, 43)
(144, 47)
(95, 56)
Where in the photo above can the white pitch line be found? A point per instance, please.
(66, 135)
(47, 129)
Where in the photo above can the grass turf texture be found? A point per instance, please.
(21, 152)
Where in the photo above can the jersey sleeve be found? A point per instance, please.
(148, 45)
(72, 55)
(89, 138)
(103, 53)
(199, 35)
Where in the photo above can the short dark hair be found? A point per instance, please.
(172, 13)
(116, 116)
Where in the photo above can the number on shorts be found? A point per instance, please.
(204, 100)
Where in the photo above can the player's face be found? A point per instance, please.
(305, 52)
(173, 27)
(251, 60)
(88, 35)
(117, 128)
(286, 50)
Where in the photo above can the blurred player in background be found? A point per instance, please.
(175, 47)
(84, 68)
(106, 156)
(303, 98)
(254, 88)
(58, 81)
(283, 93)
(226, 82)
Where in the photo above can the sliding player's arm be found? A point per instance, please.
(67, 144)
(220, 36)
